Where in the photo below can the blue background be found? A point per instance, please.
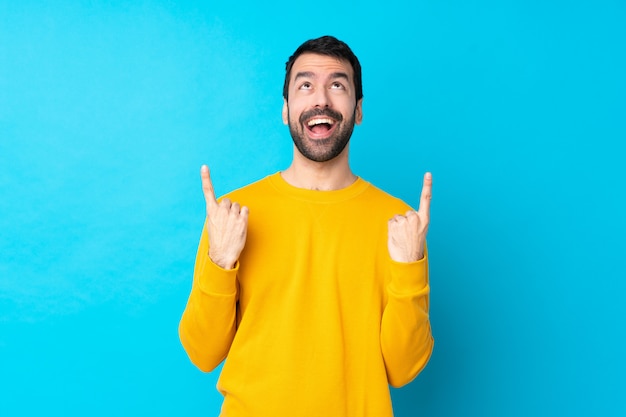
(108, 109)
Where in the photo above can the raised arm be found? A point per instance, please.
(208, 324)
(406, 337)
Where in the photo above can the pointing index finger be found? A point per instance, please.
(427, 190)
(207, 187)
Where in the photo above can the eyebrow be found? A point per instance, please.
(310, 74)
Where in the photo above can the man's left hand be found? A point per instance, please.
(407, 234)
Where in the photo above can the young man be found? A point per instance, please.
(312, 283)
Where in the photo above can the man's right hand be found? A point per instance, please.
(227, 225)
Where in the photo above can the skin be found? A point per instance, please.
(317, 83)
(227, 225)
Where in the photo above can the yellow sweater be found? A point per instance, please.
(315, 319)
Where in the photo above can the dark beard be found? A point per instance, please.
(325, 149)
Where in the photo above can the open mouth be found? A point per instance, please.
(320, 127)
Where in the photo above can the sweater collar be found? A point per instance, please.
(334, 196)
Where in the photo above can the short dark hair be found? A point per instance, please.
(329, 46)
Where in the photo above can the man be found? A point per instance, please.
(311, 283)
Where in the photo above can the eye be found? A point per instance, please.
(305, 86)
(337, 86)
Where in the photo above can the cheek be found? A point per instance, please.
(292, 114)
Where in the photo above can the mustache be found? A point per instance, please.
(320, 112)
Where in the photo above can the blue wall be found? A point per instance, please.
(108, 109)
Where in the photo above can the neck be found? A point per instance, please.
(323, 176)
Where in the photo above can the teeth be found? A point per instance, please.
(314, 122)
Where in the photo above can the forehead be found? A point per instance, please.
(320, 65)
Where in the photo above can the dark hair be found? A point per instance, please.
(329, 46)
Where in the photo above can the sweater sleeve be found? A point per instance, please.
(208, 324)
(406, 337)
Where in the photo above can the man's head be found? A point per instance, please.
(322, 97)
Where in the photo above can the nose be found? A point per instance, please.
(321, 98)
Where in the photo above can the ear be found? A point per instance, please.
(285, 112)
(358, 112)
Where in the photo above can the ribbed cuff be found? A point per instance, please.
(214, 279)
(409, 278)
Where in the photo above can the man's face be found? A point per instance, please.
(321, 109)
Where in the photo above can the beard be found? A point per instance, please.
(321, 150)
